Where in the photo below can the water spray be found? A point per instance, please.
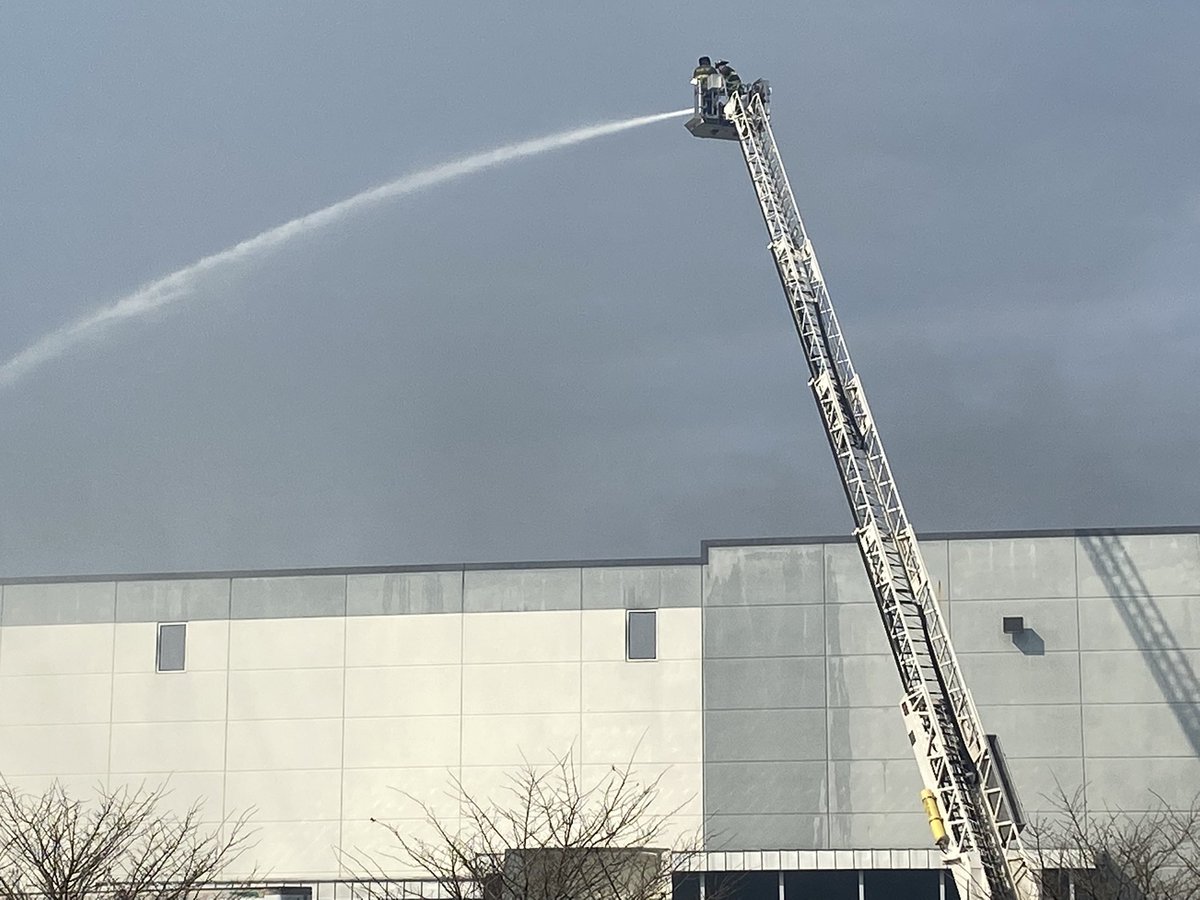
(172, 288)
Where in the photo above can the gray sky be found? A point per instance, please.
(587, 354)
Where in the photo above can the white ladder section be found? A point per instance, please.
(982, 846)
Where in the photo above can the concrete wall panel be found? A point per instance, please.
(289, 597)
(764, 788)
(522, 590)
(417, 741)
(403, 691)
(263, 745)
(845, 579)
(882, 830)
(643, 686)
(1052, 624)
(287, 643)
(285, 694)
(405, 793)
(173, 601)
(508, 637)
(764, 735)
(1135, 676)
(1035, 731)
(649, 737)
(54, 749)
(54, 699)
(1038, 781)
(164, 747)
(782, 683)
(874, 786)
(412, 640)
(756, 576)
(299, 849)
(1130, 784)
(1012, 568)
(641, 587)
(1140, 730)
(1158, 564)
(515, 740)
(404, 593)
(937, 563)
(169, 697)
(290, 796)
(750, 631)
(1135, 623)
(999, 679)
(755, 831)
(679, 785)
(863, 681)
(179, 791)
(868, 733)
(373, 840)
(679, 633)
(56, 649)
(72, 603)
(527, 688)
(854, 628)
(602, 637)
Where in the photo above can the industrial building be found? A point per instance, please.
(757, 677)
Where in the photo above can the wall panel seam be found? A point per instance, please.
(112, 689)
(341, 818)
(228, 669)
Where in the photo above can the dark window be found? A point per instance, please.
(901, 884)
(171, 642)
(640, 637)
(821, 885)
(685, 886)
(1056, 884)
(741, 886)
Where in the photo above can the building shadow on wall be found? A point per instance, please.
(1170, 666)
(1029, 642)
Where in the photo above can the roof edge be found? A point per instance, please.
(702, 559)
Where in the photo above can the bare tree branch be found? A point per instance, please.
(1151, 854)
(118, 845)
(546, 836)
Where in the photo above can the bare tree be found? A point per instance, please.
(1118, 855)
(546, 836)
(115, 845)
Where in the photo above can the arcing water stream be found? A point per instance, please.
(90, 328)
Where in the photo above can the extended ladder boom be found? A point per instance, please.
(972, 809)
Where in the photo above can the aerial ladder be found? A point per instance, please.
(968, 798)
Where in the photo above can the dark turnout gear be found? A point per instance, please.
(708, 83)
(733, 84)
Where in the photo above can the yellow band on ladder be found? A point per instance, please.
(936, 825)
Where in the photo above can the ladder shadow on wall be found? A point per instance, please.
(1153, 637)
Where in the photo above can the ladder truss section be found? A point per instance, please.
(982, 845)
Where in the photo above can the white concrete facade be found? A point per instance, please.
(321, 723)
(325, 699)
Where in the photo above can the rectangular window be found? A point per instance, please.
(902, 884)
(641, 639)
(171, 642)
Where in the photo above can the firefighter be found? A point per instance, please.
(704, 68)
(708, 82)
(733, 84)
